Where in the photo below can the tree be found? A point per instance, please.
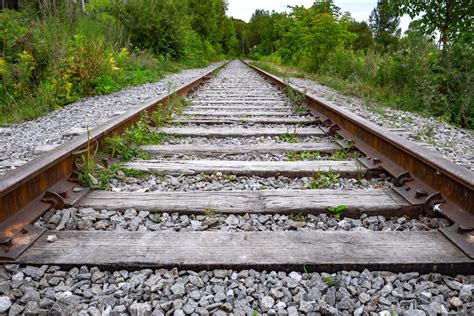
(208, 19)
(364, 38)
(9, 4)
(260, 27)
(312, 34)
(452, 19)
(384, 23)
(241, 33)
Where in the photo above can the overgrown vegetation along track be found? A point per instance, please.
(246, 189)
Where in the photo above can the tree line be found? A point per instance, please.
(53, 52)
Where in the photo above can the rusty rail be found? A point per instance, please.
(422, 177)
(27, 192)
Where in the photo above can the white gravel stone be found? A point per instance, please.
(5, 304)
(52, 238)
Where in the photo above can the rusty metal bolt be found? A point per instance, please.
(420, 193)
(377, 160)
(5, 241)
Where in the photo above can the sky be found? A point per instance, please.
(359, 9)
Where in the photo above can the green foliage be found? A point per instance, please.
(452, 19)
(323, 180)
(297, 217)
(343, 153)
(125, 146)
(319, 24)
(339, 155)
(336, 211)
(88, 167)
(133, 173)
(269, 68)
(296, 98)
(52, 54)
(304, 155)
(175, 105)
(289, 137)
(156, 218)
(305, 269)
(409, 73)
(329, 280)
(384, 23)
(364, 40)
(152, 25)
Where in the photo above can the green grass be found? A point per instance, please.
(126, 146)
(297, 217)
(323, 180)
(288, 137)
(304, 155)
(41, 101)
(377, 96)
(270, 68)
(329, 280)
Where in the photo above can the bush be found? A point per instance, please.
(52, 54)
(344, 63)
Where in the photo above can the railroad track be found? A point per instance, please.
(246, 177)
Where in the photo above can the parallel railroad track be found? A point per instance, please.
(237, 138)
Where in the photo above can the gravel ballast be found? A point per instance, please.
(133, 220)
(220, 182)
(91, 291)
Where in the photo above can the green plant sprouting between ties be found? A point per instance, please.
(323, 180)
(336, 211)
(304, 155)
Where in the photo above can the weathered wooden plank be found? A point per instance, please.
(213, 150)
(237, 101)
(240, 108)
(315, 250)
(250, 120)
(240, 132)
(237, 113)
(227, 96)
(259, 168)
(357, 202)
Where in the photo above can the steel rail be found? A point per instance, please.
(422, 177)
(27, 192)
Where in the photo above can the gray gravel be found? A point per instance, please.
(19, 143)
(452, 143)
(220, 182)
(235, 141)
(249, 157)
(133, 220)
(91, 291)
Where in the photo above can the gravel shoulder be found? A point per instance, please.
(454, 144)
(50, 290)
(20, 143)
